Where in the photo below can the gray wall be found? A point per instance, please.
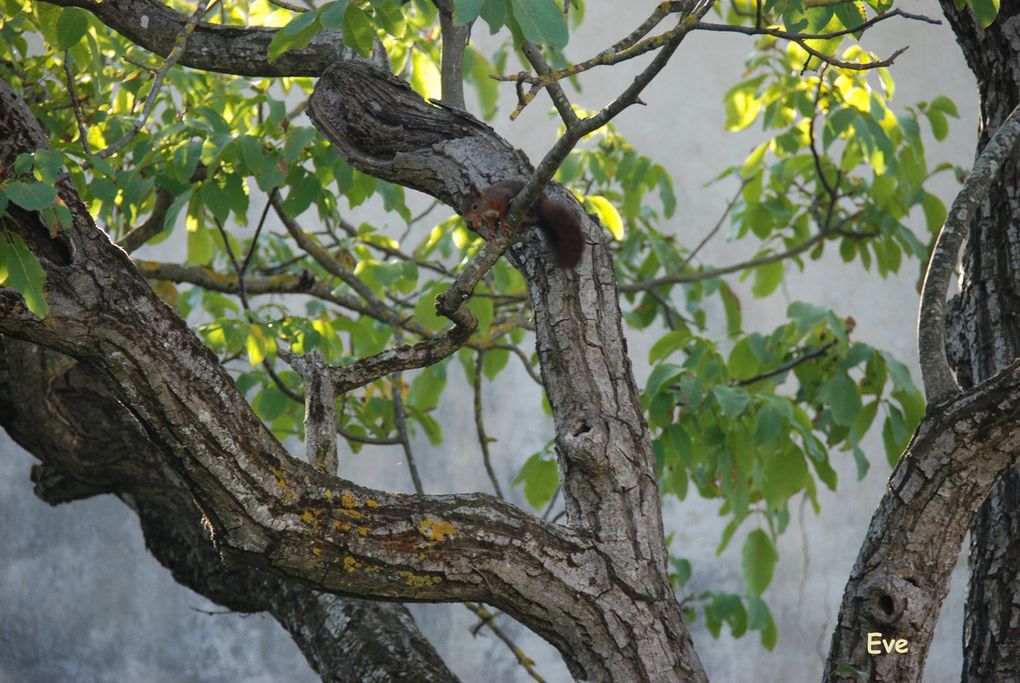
(80, 599)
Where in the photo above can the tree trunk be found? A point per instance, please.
(984, 337)
(597, 589)
(91, 445)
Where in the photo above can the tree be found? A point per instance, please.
(291, 535)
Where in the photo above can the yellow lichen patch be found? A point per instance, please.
(371, 503)
(317, 551)
(354, 514)
(435, 530)
(348, 501)
(363, 530)
(351, 564)
(281, 483)
(413, 580)
(327, 494)
(308, 517)
(341, 526)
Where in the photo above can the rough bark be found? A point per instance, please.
(985, 337)
(239, 50)
(91, 445)
(598, 589)
(902, 574)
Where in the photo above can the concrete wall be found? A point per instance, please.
(80, 599)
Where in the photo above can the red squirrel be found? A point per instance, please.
(488, 207)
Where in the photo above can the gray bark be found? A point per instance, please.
(239, 50)
(985, 337)
(92, 445)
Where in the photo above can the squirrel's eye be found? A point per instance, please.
(474, 206)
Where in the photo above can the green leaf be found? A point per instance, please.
(72, 24)
(785, 473)
(607, 213)
(494, 361)
(26, 274)
(466, 11)
(427, 387)
(298, 32)
(391, 18)
(769, 425)
(662, 375)
(759, 561)
(301, 197)
(806, 315)
(332, 14)
(483, 310)
(767, 279)
(732, 400)
(985, 11)
(540, 478)
(48, 163)
(541, 21)
(358, 31)
(681, 571)
(216, 200)
(670, 342)
(851, 14)
(939, 125)
(175, 210)
(270, 403)
(731, 307)
(31, 196)
(494, 13)
(843, 398)
(945, 105)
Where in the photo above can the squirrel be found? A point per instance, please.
(488, 208)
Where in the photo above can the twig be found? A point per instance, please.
(483, 438)
(559, 98)
(678, 278)
(552, 502)
(153, 225)
(369, 440)
(78, 116)
(566, 142)
(490, 620)
(785, 367)
(524, 360)
(718, 226)
(786, 35)
(289, 6)
(400, 420)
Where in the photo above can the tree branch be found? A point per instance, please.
(939, 382)
(902, 572)
(238, 50)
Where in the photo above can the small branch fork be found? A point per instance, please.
(637, 44)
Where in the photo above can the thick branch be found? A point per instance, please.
(93, 445)
(902, 572)
(239, 50)
(939, 382)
